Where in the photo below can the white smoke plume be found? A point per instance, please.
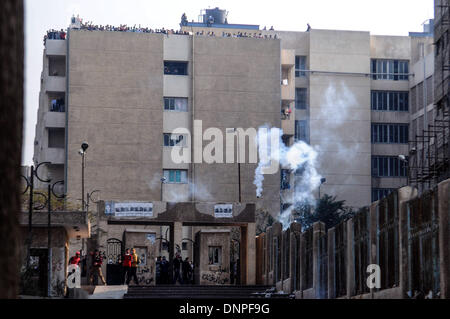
(201, 191)
(300, 158)
(335, 112)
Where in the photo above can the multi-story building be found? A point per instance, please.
(430, 135)
(349, 95)
(440, 163)
(422, 110)
(346, 93)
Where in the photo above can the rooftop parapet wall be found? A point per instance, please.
(76, 223)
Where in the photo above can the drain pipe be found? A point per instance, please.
(193, 121)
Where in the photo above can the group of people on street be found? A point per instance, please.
(96, 265)
(130, 263)
(183, 270)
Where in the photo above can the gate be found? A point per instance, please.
(114, 252)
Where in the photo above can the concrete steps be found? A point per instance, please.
(193, 292)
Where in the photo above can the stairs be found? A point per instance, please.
(194, 292)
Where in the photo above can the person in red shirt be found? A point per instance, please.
(75, 260)
(127, 265)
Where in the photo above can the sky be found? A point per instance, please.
(381, 17)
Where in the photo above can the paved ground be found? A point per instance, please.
(109, 292)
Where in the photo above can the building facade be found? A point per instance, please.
(128, 94)
(349, 95)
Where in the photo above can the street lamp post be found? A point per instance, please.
(239, 163)
(82, 152)
(84, 147)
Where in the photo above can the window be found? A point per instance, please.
(56, 137)
(389, 101)
(174, 176)
(300, 65)
(390, 133)
(388, 166)
(390, 70)
(379, 193)
(184, 246)
(300, 98)
(301, 131)
(215, 255)
(175, 68)
(171, 140)
(179, 104)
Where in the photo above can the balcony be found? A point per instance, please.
(55, 47)
(54, 120)
(287, 91)
(55, 84)
(177, 85)
(288, 125)
(288, 58)
(54, 155)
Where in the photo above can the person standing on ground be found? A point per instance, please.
(186, 270)
(158, 270)
(176, 269)
(164, 271)
(97, 262)
(134, 265)
(126, 266)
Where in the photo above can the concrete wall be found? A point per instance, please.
(236, 84)
(206, 273)
(59, 258)
(115, 103)
(340, 113)
(406, 235)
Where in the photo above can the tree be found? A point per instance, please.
(327, 210)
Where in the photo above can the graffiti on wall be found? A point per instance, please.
(58, 272)
(145, 271)
(218, 277)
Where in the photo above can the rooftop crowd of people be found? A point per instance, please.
(124, 28)
(90, 26)
(257, 35)
(55, 35)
